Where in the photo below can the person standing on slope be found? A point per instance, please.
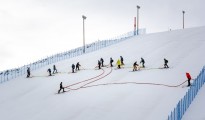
(102, 61)
(61, 88)
(99, 64)
(135, 66)
(49, 71)
(73, 68)
(143, 62)
(121, 60)
(28, 72)
(118, 64)
(111, 61)
(54, 69)
(189, 78)
(165, 63)
(78, 66)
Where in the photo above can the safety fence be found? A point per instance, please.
(185, 102)
(14, 73)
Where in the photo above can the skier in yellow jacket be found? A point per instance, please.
(118, 63)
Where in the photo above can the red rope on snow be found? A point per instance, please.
(84, 86)
(86, 79)
(88, 82)
(134, 83)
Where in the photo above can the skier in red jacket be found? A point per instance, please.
(189, 78)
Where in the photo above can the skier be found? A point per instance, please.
(135, 66)
(143, 62)
(73, 68)
(165, 63)
(78, 66)
(111, 61)
(118, 63)
(54, 69)
(28, 72)
(121, 58)
(101, 59)
(49, 71)
(189, 78)
(61, 87)
(99, 64)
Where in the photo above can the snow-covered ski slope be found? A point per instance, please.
(36, 99)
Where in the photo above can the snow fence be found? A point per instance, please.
(185, 102)
(14, 73)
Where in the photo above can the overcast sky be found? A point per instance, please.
(33, 29)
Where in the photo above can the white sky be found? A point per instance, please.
(33, 29)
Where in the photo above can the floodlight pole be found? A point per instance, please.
(138, 7)
(84, 17)
(183, 18)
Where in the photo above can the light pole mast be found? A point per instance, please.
(138, 7)
(84, 17)
(134, 25)
(183, 18)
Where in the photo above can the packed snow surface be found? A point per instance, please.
(148, 94)
(196, 109)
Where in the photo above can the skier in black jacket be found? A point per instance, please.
(49, 71)
(78, 66)
(73, 68)
(102, 61)
(28, 72)
(135, 66)
(54, 69)
(99, 64)
(165, 63)
(121, 59)
(111, 61)
(61, 88)
(143, 62)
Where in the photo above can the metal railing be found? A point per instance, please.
(14, 73)
(185, 102)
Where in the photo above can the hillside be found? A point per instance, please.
(36, 99)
